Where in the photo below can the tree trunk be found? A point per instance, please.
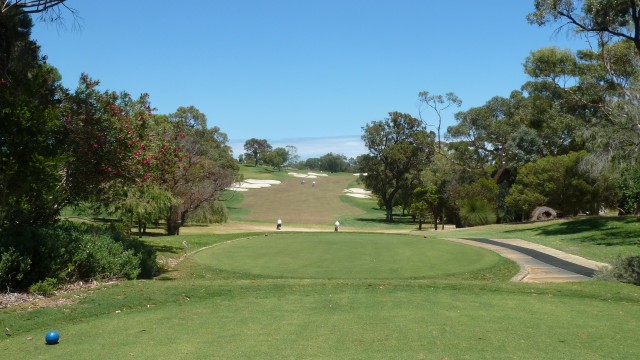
(389, 216)
(173, 221)
(420, 224)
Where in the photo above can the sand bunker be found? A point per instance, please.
(252, 184)
(316, 174)
(357, 192)
(308, 176)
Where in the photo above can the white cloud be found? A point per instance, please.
(349, 146)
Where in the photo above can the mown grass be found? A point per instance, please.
(346, 256)
(246, 300)
(204, 317)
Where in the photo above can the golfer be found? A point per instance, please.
(337, 224)
(279, 225)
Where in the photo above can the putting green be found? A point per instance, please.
(346, 256)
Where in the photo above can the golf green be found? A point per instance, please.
(346, 256)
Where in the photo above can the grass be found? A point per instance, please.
(599, 238)
(346, 256)
(321, 296)
(296, 203)
(201, 316)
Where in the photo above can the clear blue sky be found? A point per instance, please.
(304, 73)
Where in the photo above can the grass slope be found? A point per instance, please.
(297, 203)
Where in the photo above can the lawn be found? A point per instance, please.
(346, 295)
(210, 306)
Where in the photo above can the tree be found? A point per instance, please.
(554, 181)
(293, 158)
(605, 18)
(492, 135)
(50, 11)
(312, 163)
(425, 202)
(399, 146)
(333, 162)
(439, 104)
(203, 173)
(31, 153)
(257, 147)
(276, 158)
(114, 142)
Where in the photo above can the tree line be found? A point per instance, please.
(70, 147)
(569, 138)
(260, 152)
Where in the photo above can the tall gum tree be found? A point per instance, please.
(618, 19)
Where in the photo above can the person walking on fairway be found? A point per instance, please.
(279, 225)
(337, 224)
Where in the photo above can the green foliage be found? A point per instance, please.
(425, 203)
(213, 213)
(624, 269)
(13, 267)
(476, 212)
(399, 148)
(31, 155)
(553, 181)
(333, 163)
(276, 158)
(256, 148)
(205, 172)
(44, 287)
(69, 252)
(629, 184)
(146, 204)
(617, 18)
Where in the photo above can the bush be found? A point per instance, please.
(67, 252)
(626, 270)
(44, 287)
(475, 212)
(13, 268)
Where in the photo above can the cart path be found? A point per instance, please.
(539, 263)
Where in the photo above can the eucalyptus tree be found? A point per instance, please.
(619, 19)
(493, 138)
(399, 147)
(438, 104)
(257, 148)
(277, 157)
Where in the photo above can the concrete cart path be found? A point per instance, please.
(539, 263)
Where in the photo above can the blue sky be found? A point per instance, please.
(304, 73)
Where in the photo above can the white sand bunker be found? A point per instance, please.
(308, 176)
(316, 174)
(252, 184)
(357, 192)
(358, 174)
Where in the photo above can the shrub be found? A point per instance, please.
(13, 268)
(68, 252)
(624, 269)
(475, 212)
(44, 287)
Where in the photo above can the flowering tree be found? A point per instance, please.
(115, 143)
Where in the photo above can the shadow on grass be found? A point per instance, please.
(603, 231)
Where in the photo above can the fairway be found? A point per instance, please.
(298, 203)
(346, 256)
